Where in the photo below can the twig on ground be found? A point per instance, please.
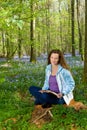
(42, 115)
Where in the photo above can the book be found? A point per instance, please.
(49, 91)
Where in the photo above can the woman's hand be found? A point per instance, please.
(42, 91)
(59, 95)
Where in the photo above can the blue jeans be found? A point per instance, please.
(44, 98)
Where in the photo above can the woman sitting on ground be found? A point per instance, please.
(58, 79)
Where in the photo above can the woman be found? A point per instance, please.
(58, 79)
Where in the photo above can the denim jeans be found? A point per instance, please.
(44, 98)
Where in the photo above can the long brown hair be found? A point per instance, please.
(61, 61)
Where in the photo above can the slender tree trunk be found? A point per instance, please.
(3, 43)
(69, 26)
(32, 35)
(48, 26)
(19, 36)
(79, 30)
(60, 25)
(73, 39)
(7, 45)
(32, 38)
(19, 42)
(85, 47)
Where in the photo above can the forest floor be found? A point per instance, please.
(17, 105)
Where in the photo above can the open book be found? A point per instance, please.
(49, 91)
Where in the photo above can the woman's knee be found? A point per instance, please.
(61, 101)
(33, 89)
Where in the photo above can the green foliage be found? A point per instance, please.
(52, 25)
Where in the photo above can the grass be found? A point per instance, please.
(16, 106)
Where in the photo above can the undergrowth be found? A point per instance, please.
(16, 105)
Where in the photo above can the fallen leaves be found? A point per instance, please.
(76, 105)
(41, 115)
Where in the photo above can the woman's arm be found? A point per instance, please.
(67, 81)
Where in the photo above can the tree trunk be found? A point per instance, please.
(48, 25)
(73, 39)
(32, 35)
(19, 36)
(79, 31)
(7, 45)
(85, 47)
(60, 25)
(3, 43)
(69, 27)
(19, 42)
